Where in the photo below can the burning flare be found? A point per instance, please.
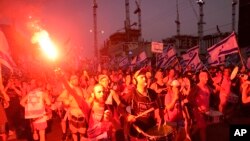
(47, 46)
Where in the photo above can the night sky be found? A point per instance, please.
(69, 21)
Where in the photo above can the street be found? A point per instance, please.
(215, 132)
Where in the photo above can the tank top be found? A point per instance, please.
(162, 87)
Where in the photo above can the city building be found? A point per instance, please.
(121, 43)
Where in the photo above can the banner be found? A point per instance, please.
(156, 47)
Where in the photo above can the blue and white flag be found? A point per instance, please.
(123, 62)
(225, 47)
(167, 57)
(213, 55)
(229, 45)
(139, 58)
(191, 58)
(160, 58)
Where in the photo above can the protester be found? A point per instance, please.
(173, 103)
(14, 111)
(127, 85)
(140, 100)
(199, 99)
(101, 121)
(225, 89)
(35, 103)
(161, 89)
(186, 108)
(98, 116)
(111, 92)
(170, 76)
(91, 84)
(4, 99)
(77, 119)
(137, 103)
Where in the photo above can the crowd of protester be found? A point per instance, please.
(121, 104)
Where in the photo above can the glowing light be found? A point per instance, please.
(47, 46)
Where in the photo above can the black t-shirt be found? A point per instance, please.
(139, 104)
(162, 87)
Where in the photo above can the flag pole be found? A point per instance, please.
(241, 58)
(156, 61)
(178, 61)
(207, 70)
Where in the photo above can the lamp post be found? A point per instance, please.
(234, 3)
(95, 42)
(95, 30)
(138, 11)
(202, 48)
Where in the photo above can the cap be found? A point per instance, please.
(141, 71)
(175, 83)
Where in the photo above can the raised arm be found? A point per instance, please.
(83, 105)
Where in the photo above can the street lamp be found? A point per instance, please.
(102, 32)
(95, 30)
(202, 49)
(234, 3)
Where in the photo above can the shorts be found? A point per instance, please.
(40, 125)
(78, 125)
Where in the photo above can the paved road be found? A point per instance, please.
(215, 132)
